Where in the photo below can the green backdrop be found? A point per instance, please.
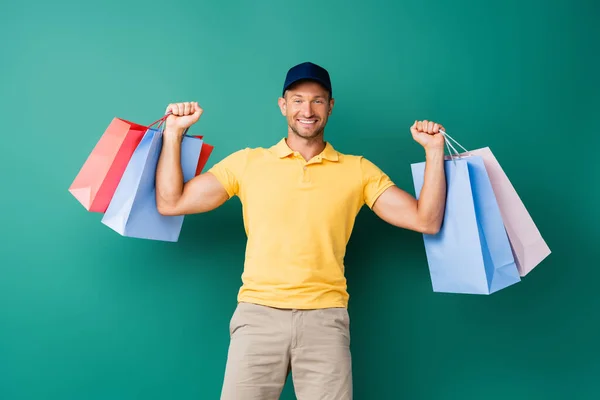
(87, 314)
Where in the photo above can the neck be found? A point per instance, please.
(307, 147)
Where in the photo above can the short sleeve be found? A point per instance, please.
(374, 181)
(229, 171)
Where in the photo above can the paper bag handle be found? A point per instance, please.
(162, 120)
(449, 145)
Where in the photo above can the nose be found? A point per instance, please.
(307, 110)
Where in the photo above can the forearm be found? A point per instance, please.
(432, 199)
(169, 176)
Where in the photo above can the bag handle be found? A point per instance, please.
(450, 146)
(162, 120)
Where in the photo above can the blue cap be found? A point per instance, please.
(309, 71)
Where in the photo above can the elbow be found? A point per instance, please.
(432, 228)
(165, 209)
(167, 206)
(431, 224)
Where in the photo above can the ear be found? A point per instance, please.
(282, 106)
(331, 104)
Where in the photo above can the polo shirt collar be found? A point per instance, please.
(283, 150)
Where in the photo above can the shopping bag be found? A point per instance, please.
(205, 153)
(528, 245)
(96, 181)
(471, 254)
(132, 211)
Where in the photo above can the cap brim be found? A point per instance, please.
(308, 78)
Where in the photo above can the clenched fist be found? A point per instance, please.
(183, 115)
(426, 133)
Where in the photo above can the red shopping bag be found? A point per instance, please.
(96, 182)
(205, 152)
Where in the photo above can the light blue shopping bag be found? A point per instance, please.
(132, 211)
(471, 253)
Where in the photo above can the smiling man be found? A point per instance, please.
(300, 199)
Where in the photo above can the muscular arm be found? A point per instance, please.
(200, 194)
(425, 215)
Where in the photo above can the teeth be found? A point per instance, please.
(306, 121)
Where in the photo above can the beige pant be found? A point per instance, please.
(267, 343)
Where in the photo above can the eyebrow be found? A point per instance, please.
(317, 96)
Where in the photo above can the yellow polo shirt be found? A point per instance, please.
(298, 216)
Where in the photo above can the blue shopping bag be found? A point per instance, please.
(132, 211)
(471, 253)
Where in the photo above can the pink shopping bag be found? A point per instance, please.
(97, 180)
(528, 245)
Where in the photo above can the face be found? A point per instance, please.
(307, 107)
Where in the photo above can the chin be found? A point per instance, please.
(308, 135)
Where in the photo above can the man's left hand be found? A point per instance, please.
(426, 133)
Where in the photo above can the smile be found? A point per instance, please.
(307, 121)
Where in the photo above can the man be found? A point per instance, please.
(300, 198)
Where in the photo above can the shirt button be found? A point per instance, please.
(304, 168)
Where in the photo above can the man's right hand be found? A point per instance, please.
(183, 116)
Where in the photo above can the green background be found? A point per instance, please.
(87, 314)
